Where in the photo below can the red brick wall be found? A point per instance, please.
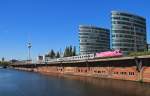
(123, 73)
(146, 74)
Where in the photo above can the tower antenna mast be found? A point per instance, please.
(29, 46)
(29, 50)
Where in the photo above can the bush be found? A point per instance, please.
(139, 53)
(4, 63)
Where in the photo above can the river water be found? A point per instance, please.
(21, 83)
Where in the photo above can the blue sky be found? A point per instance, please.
(53, 24)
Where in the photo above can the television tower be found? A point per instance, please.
(29, 50)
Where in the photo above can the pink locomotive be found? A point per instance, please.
(115, 53)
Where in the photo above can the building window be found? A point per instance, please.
(78, 70)
(85, 70)
(123, 73)
(131, 73)
(115, 72)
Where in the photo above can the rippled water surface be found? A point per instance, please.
(21, 83)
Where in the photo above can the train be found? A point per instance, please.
(115, 53)
(106, 54)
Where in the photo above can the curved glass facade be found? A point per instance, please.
(93, 39)
(148, 47)
(128, 32)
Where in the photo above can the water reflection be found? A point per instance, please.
(109, 87)
(20, 83)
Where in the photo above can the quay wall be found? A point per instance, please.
(122, 73)
(126, 68)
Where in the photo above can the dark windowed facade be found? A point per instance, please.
(93, 39)
(128, 32)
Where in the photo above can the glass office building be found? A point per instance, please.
(148, 47)
(128, 32)
(93, 39)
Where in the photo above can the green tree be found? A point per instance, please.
(74, 51)
(139, 53)
(52, 54)
(4, 64)
(70, 51)
(3, 59)
(66, 52)
(58, 55)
